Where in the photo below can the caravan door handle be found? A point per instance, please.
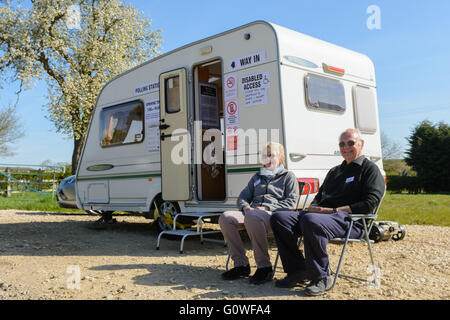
(163, 126)
(163, 136)
(297, 156)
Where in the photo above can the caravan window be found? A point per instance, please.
(365, 109)
(173, 96)
(122, 124)
(324, 93)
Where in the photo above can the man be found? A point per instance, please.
(355, 186)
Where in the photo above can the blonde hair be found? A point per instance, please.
(276, 148)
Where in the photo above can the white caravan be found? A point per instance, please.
(153, 138)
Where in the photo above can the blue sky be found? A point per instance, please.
(411, 53)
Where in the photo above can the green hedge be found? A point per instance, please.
(410, 184)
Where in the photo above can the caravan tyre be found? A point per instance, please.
(167, 212)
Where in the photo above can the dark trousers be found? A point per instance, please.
(316, 229)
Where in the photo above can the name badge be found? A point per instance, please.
(257, 182)
(350, 179)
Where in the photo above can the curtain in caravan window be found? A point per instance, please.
(122, 124)
(324, 93)
(365, 109)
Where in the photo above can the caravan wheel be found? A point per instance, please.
(167, 211)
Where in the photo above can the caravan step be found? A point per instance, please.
(186, 233)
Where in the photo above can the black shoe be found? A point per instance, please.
(102, 223)
(236, 273)
(292, 279)
(318, 287)
(261, 275)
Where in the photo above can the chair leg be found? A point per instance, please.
(368, 243)
(347, 236)
(228, 261)
(374, 267)
(342, 255)
(275, 264)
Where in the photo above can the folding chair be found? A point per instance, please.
(367, 220)
(302, 185)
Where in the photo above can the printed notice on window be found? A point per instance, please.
(230, 86)
(152, 125)
(254, 87)
(232, 124)
(209, 105)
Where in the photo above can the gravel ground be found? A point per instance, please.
(56, 256)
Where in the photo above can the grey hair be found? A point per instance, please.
(353, 131)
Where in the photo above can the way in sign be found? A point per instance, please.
(248, 60)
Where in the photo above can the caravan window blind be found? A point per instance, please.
(365, 109)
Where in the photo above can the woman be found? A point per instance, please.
(273, 188)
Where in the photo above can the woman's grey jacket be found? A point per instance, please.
(274, 192)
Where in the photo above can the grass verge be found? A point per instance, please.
(430, 209)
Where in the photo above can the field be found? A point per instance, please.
(421, 209)
(33, 201)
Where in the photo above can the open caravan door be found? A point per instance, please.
(175, 142)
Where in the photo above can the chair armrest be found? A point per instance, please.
(355, 217)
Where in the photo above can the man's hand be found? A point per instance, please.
(262, 208)
(316, 209)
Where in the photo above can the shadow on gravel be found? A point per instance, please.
(74, 237)
(193, 279)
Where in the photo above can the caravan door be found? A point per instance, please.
(175, 138)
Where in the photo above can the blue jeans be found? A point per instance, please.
(316, 229)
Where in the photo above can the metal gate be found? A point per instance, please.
(21, 178)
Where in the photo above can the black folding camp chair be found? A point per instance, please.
(302, 185)
(367, 221)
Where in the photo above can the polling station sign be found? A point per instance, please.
(254, 87)
(146, 88)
